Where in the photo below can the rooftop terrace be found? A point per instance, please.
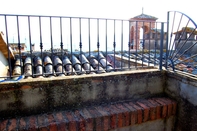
(116, 79)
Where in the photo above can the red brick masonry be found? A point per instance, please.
(99, 118)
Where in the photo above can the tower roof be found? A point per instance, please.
(144, 16)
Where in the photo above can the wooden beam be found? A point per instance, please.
(4, 49)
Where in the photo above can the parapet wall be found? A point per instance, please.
(33, 96)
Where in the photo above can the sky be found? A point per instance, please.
(123, 9)
(118, 9)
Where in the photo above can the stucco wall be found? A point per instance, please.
(183, 88)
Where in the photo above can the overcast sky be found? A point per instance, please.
(99, 8)
(120, 9)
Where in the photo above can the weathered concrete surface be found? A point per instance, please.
(183, 88)
(39, 95)
(156, 125)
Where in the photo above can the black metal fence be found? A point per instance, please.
(182, 45)
(46, 46)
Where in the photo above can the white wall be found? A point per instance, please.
(3, 65)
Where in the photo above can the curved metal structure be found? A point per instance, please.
(182, 43)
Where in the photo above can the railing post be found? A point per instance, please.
(98, 44)
(61, 44)
(41, 44)
(106, 32)
(121, 45)
(80, 42)
(19, 44)
(9, 61)
(51, 36)
(161, 45)
(71, 50)
(114, 43)
(167, 50)
(129, 45)
(30, 44)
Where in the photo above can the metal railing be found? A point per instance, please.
(181, 49)
(58, 46)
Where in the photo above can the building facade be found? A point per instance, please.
(146, 22)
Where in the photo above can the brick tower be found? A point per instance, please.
(146, 22)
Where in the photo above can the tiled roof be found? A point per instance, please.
(86, 63)
(72, 64)
(187, 30)
(144, 16)
(57, 65)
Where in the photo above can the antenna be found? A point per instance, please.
(142, 10)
